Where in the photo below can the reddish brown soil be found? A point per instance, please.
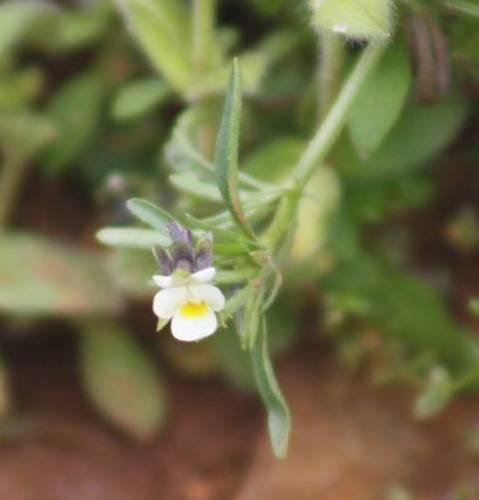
(69, 454)
(350, 440)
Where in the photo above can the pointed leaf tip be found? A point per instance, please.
(226, 154)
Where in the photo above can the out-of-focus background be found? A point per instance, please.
(375, 333)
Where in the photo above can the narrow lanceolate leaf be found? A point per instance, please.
(363, 19)
(131, 237)
(279, 418)
(226, 155)
(369, 123)
(150, 214)
(121, 380)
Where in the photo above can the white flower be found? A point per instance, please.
(190, 303)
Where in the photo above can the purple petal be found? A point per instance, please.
(204, 254)
(179, 233)
(164, 260)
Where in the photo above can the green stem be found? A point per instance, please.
(10, 180)
(321, 144)
(204, 15)
(330, 70)
(332, 126)
(284, 216)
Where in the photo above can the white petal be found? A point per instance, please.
(209, 294)
(167, 301)
(163, 281)
(191, 329)
(204, 276)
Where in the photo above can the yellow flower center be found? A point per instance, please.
(193, 309)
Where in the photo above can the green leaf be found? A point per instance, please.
(58, 280)
(75, 110)
(22, 135)
(420, 134)
(279, 419)
(19, 90)
(163, 28)
(135, 99)
(18, 17)
(463, 6)
(399, 304)
(79, 28)
(474, 306)
(380, 101)
(131, 237)
(269, 7)
(274, 160)
(437, 395)
(226, 154)
(191, 184)
(121, 380)
(150, 214)
(364, 19)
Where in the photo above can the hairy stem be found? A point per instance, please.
(321, 145)
(328, 132)
(330, 70)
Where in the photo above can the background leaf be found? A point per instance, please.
(380, 100)
(57, 279)
(135, 99)
(163, 28)
(75, 110)
(436, 396)
(421, 133)
(17, 17)
(121, 380)
(24, 134)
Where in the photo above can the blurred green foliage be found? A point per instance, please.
(134, 112)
